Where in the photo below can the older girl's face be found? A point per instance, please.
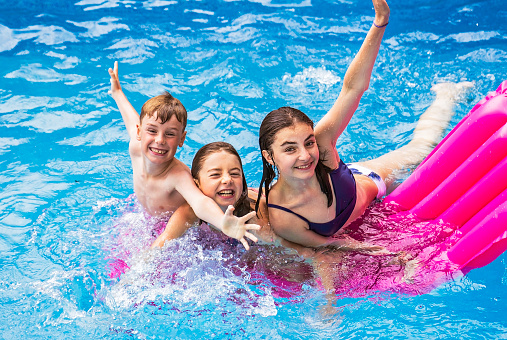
(294, 152)
(221, 178)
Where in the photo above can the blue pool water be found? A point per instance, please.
(66, 175)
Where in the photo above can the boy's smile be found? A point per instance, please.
(159, 142)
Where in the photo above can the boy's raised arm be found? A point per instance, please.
(207, 210)
(355, 83)
(128, 113)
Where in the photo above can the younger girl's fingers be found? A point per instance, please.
(252, 227)
(251, 236)
(248, 216)
(116, 67)
(229, 211)
(245, 243)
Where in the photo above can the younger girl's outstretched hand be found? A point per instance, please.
(237, 228)
(381, 12)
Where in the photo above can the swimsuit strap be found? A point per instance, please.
(287, 210)
(345, 195)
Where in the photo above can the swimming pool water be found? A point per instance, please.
(65, 215)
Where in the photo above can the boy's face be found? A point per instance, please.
(159, 142)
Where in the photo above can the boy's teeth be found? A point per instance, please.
(158, 151)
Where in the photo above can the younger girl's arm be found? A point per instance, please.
(182, 219)
(355, 83)
(128, 113)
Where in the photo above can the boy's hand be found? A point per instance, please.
(236, 227)
(128, 113)
(115, 81)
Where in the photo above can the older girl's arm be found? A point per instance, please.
(355, 83)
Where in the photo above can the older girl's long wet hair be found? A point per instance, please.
(275, 121)
(243, 205)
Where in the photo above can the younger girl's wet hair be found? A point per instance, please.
(274, 122)
(242, 206)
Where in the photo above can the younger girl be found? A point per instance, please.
(316, 194)
(218, 172)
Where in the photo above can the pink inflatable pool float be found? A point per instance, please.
(464, 182)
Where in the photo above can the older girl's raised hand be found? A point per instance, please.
(381, 13)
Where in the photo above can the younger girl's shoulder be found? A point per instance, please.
(253, 193)
(260, 200)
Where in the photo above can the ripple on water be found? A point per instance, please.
(36, 73)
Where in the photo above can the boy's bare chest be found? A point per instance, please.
(157, 196)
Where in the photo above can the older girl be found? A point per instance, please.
(316, 194)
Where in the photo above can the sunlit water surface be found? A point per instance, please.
(68, 223)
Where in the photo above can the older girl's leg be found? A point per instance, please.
(427, 133)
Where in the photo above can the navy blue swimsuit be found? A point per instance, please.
(344, 186)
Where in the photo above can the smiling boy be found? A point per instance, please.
(161, 182)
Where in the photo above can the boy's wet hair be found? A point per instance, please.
(243, 205)
(165, 106)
